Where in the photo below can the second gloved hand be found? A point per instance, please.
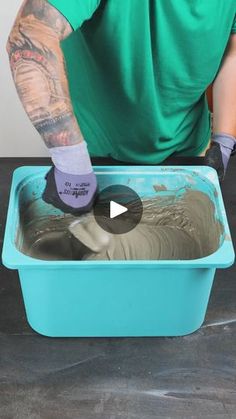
(218, 155)
(71, 184)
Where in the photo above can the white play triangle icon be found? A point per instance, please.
(116, 209)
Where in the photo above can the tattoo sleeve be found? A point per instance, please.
(39, 72)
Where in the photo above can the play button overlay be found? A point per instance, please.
(118, 209)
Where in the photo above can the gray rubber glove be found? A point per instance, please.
(218, 155)
(71, 184)
(74, 194)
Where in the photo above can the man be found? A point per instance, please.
(137, 71)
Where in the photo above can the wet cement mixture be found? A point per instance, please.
(172, 228)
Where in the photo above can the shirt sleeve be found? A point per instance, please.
(76, 11)
(233, 30)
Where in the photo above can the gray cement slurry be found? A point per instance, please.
(170, 228)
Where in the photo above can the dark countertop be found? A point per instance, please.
(131, 378)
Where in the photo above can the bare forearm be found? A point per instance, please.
(39, 72)
(224, 93)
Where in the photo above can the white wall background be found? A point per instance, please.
(18, 137)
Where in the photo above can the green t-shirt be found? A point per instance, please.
(138, 71)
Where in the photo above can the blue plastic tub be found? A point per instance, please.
(116, 298)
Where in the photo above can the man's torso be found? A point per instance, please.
(138, 70)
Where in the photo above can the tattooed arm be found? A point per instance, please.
(39, 72)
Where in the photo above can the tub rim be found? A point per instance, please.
(12, 258)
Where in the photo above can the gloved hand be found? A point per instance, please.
(71, 184)
(218, 155)
(74, 194)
